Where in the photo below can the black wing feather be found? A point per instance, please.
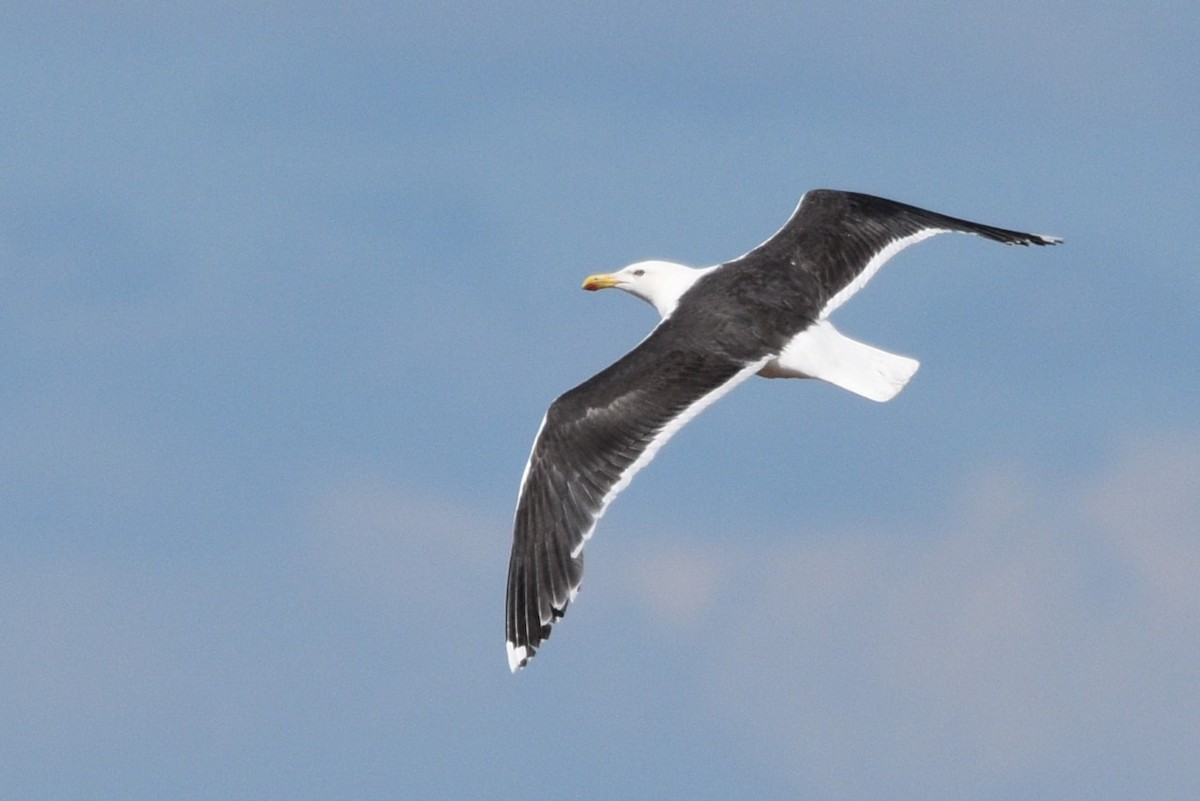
(833, 235)
(592, 435)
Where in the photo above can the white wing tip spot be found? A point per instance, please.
(517, 656)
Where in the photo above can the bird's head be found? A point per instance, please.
(659, 283)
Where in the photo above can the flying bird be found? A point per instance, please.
(765, 313)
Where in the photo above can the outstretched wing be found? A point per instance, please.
(595, 437)
(592, 441)
(841, 239)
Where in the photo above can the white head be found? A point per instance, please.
(659, 283)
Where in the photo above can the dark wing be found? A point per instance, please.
(592, 441)
(841, 239)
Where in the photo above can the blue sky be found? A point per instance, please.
(283, 297)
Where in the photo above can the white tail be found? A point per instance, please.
(821, 351)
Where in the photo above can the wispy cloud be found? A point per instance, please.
(405, 557)
(1036, 626)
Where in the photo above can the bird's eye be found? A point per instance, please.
(639, 273)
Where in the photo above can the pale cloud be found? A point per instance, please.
(402, 554)
(100, 654)
(114, 662)
(1148, 507)
(1034, 632)
(678, 585)
(1041, 625)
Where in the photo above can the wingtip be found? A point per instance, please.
(1023, 239)
(518, 656)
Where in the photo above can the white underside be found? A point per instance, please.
(821, 351)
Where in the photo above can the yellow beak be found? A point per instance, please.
(601, 281)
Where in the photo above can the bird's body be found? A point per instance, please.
(765, 312)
